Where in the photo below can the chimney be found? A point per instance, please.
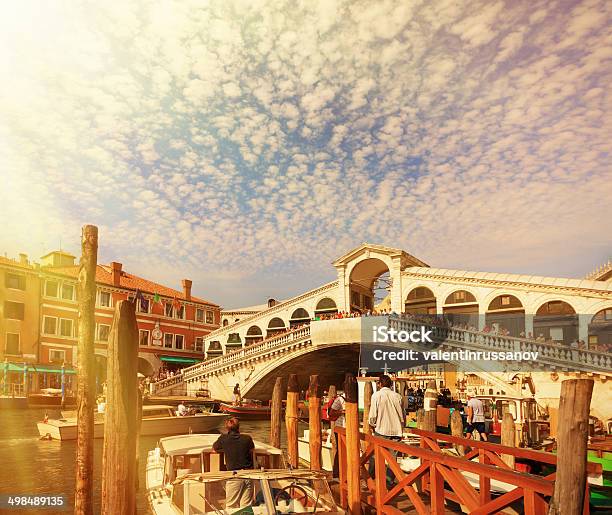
(186, 288)
(116, 273)
(23, 259)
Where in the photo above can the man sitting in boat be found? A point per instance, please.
(182, 410)
(238, 451)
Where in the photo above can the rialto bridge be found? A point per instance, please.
(488, 310)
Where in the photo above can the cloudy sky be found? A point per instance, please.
(246, 144)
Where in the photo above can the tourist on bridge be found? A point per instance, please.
(386, 418)
(475, 417)
(238, 451)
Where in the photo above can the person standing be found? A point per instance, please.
(475, 417)
(238, 451)
(237, 396)
(386, 417)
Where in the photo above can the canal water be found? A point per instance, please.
(29, 465)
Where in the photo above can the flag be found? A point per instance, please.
(176, 304)
(156, 298)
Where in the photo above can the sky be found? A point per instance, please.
(247, 144)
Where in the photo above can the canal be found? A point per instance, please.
(34, 466)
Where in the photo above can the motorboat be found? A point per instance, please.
(248, 410)
(327, 461)
(50, 398)
(157, 419)
(184, 475)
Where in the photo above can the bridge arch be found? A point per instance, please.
(145, 367)
(461, 307)
(298, 317)
(326, 306)
(600, 330)
(253, 335)
(367, 278)
(276, 325)
(421, 300)
(507, 312)
(556, 320)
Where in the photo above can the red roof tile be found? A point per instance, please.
(128, 281)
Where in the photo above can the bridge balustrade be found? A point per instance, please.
(162, 384)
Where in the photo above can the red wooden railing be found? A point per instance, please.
(439, 476)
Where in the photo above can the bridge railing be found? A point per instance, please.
(162, 384)
(549, 353)
(239, 355)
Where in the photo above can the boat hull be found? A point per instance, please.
(39, 400)
(66, 429)
(246, 412)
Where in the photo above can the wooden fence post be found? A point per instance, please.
(430, 403)
(291, 419)
(276, 413)
(314, 423)
(570, 485)
(352, 444)
(86, 294)
(367, 401)
(508, 437)
(121, 422)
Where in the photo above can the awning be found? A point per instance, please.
(50, 369)
(179, 359)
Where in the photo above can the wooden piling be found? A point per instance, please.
(121, 422)
(352, 444)
(430, 406)
(573, 431)
(291, 419)
(314, 423)
(86, 294)
(276, 409)
(420, 418)
(456, 424)
(367, 401)
(331, 393)
(508, 437)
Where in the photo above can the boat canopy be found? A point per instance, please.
(187, 444)
(268, 474)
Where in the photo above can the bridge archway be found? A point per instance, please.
(326, 306)
(461, 307)
(145, 367)
(369, 284)
(556, 320)
(508, 312)
(299, 317)
(214, 350)
(420, 301)
(275, 326)
(600, 331)
(253, 335)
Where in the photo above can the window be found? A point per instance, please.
(12, 344)
(556, 334)
(57, 356)
(68, 291)
(179, 339)
(13, 310)
(50, 325)
(593, 339)
(210, 317)
(180, 312)
(104, 299)
(15, 281)
(460, 296)
(168, 340)
(505, 300)
(168, 309)
(608, 314)
(51, 288)
(143, 337)
(142, 306)
(65, 327)
(103, 332)
(199, 315)
(199, 344)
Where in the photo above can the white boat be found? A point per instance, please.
(327, 461)
(184, 476)
(156, 420)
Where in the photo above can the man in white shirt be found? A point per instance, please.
(387, 418)
(475, 417)
(337, 408)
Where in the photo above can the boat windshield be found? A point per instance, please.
(295, 495)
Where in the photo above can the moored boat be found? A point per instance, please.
(156, 420)
(184, 476)
(50, 398)
(247, 411)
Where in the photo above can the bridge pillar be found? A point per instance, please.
(583, 327)
(396, 286)
(344, 285)
(529, 325)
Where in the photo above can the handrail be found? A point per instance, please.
(168, 381)
(238, 355)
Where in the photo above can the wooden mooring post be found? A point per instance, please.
(291, 419)
(314, 423)
(430, 406)
(331, 393)
(276, 409)
(86, 293)
(121, 422)
(508, 437)
(352, 444)
(367, 402)
(456, 424)
(573, 432)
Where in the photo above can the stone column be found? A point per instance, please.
(396, 289)
(529, 325)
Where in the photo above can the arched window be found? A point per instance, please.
(556, 321)
(460, 297)
(326, 306)
(506, 315)
(600, 331)
(461, 308)
(253, 335)
(420, 301)
(298, 317)
(214, 349)
(225, 322)
(275, 326)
